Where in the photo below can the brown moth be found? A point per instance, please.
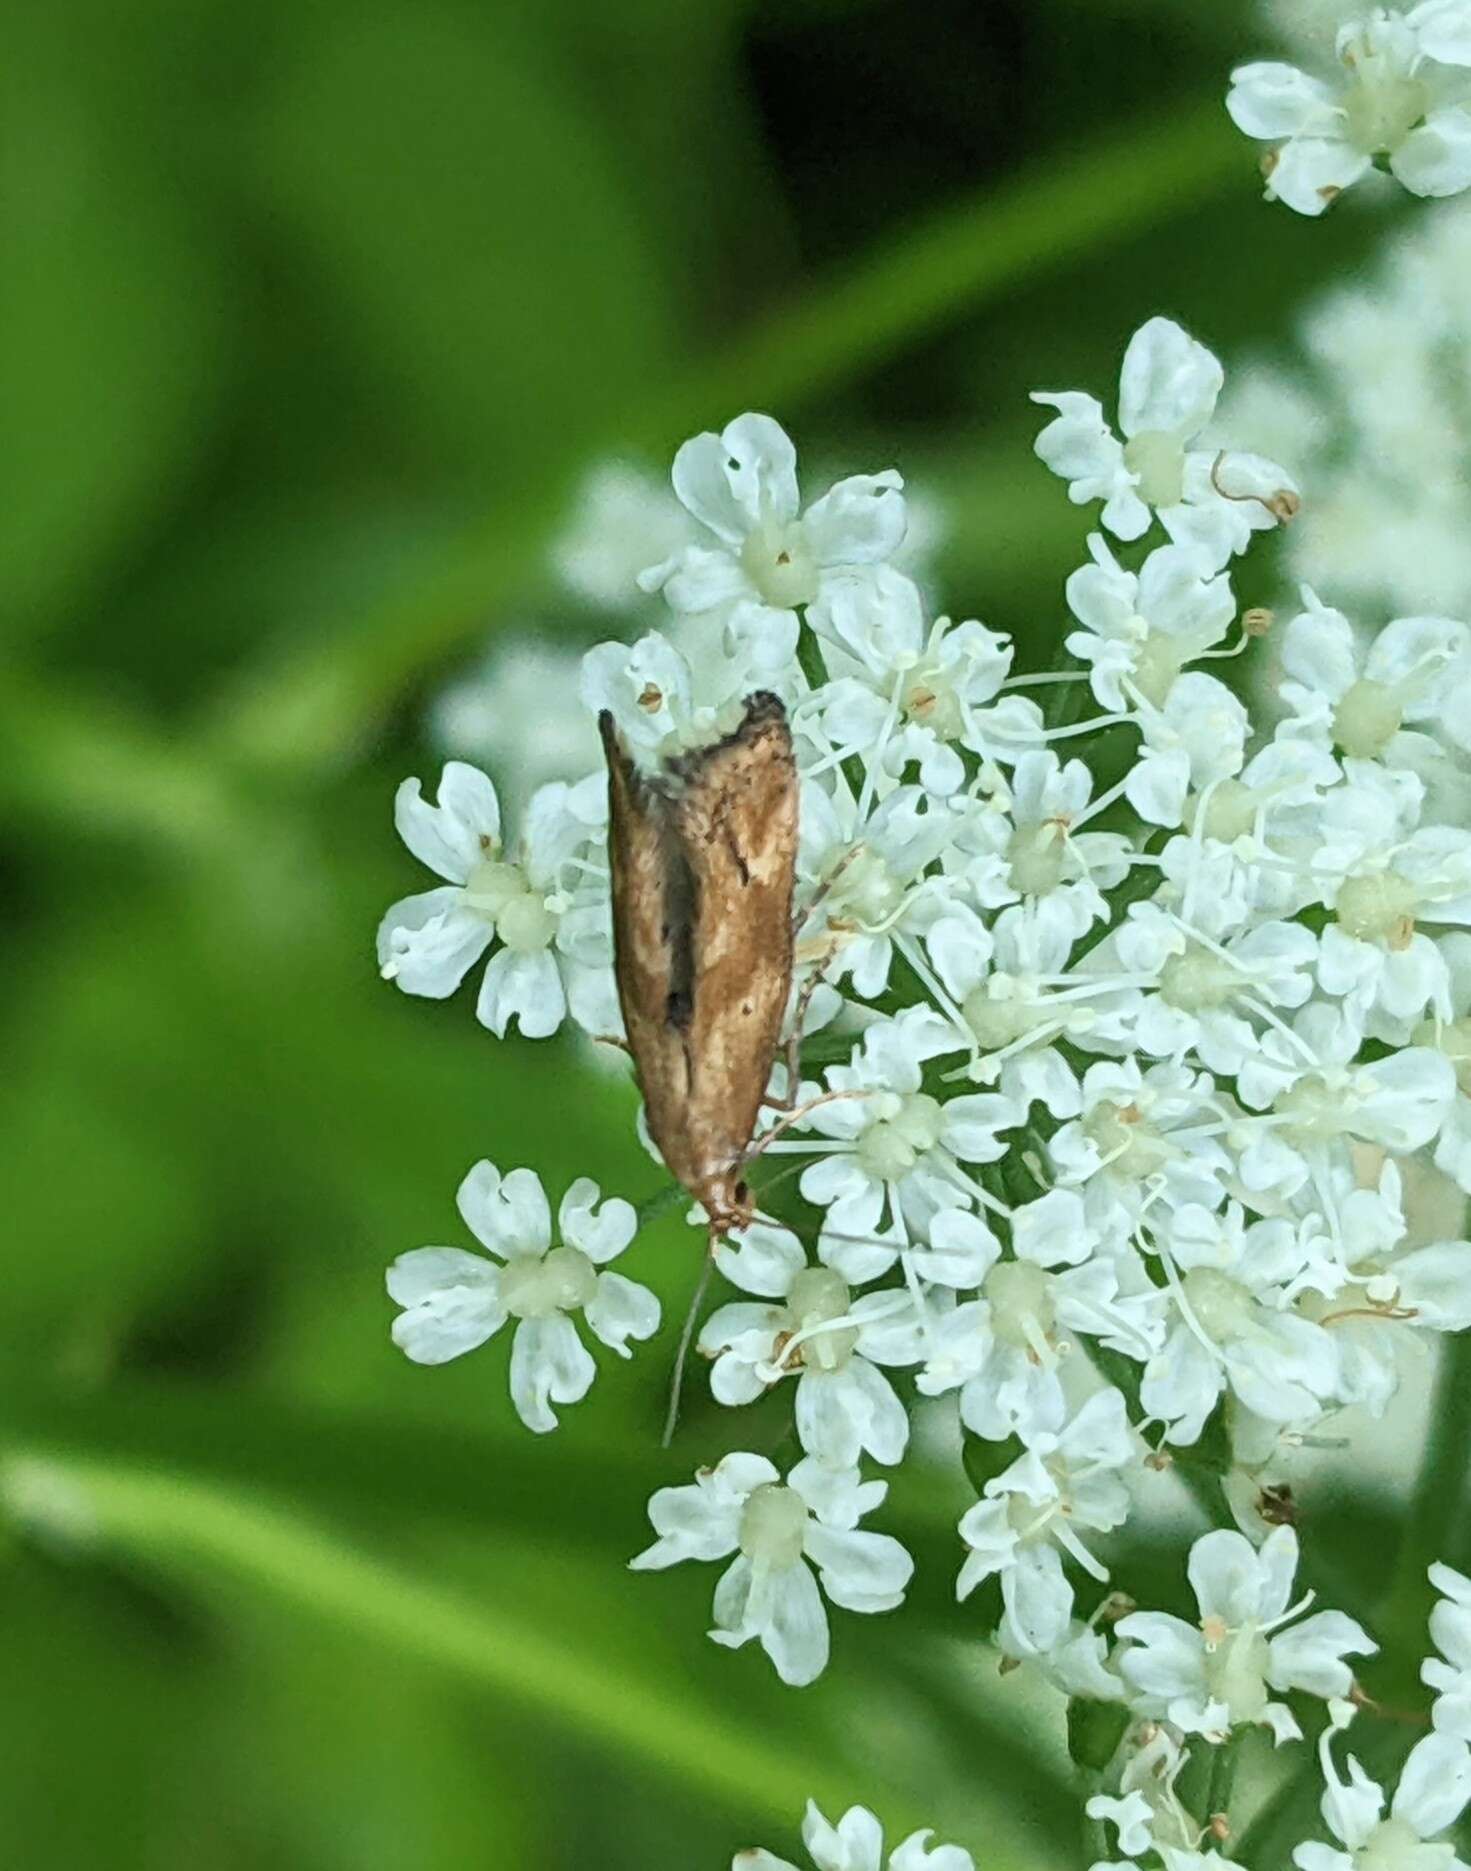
(703, 859)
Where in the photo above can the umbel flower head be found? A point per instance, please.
(1136, 1101)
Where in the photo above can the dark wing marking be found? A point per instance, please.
(733, 810)
(653, 946)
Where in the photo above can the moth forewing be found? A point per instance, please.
(703, 868)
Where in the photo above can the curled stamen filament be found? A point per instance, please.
(772, 1371)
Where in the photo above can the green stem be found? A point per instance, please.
(1222, 1781)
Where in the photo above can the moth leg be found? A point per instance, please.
(796, 1115)
(611, 1039)
(794, 1045)
(801, 912)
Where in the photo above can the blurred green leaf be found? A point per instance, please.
(192, 1529)
(491, 262)
(112, 352)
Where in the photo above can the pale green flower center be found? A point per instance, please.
(1319, 1108)
(1367, 718)
(1383, 104)
(492, 885)
(818, 1295)
(1157, 456)
(1230, 811)
(500, 893)
(999, 1016)
(1222, 1307)
(929, 698)
(534, 1286)
(1131, 1145)
(1394, 1845)
(867, 890)
(1236, 1664)
(1157, 662)
(1020, 1298)
(1197, 979)
(1037, 856)
(1380, 908)
(773, 1526)
(779, 563)
(890, 1148)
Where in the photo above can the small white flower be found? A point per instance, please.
(769, 559)
(1167, 395)
(1434, 1785)
(833, 1344)
(1206, 978)
(779, 1531)
(895, 1147)
(1028, 843)
(454, 1300)
(1142, 1137)
(1206, 1678)
(1061, 1484)
(1005, 1347)
(1234, 1326)
(902, 696)
(856, 1843)
(870, 862)
(1140, 629)
(665, 701)
(1312, 1077)
(544, 908)
(1401, 97)
(1449, 1674)
(1360, 700)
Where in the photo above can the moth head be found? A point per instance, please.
(728, 1201)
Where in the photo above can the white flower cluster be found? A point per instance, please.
(1197, 1680)
(1373, 410)
(1148, 1060)
(1401, 101)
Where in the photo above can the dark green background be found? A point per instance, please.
(311, 317)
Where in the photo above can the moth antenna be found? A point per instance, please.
(805, 1232)
(801, 1111)
(686, 1339)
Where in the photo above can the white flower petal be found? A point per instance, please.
(794, 1631)
(452, 836)
(1435, 159)
(1272, 100)
(601, 1233)
(621, 1309)
(1434, 1785)
(525, 988)
(508, 1214)
(860, 521)
(549, 1364)
(1169, 383)
(1311, 172)
(451, 1300)
(428, 943)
